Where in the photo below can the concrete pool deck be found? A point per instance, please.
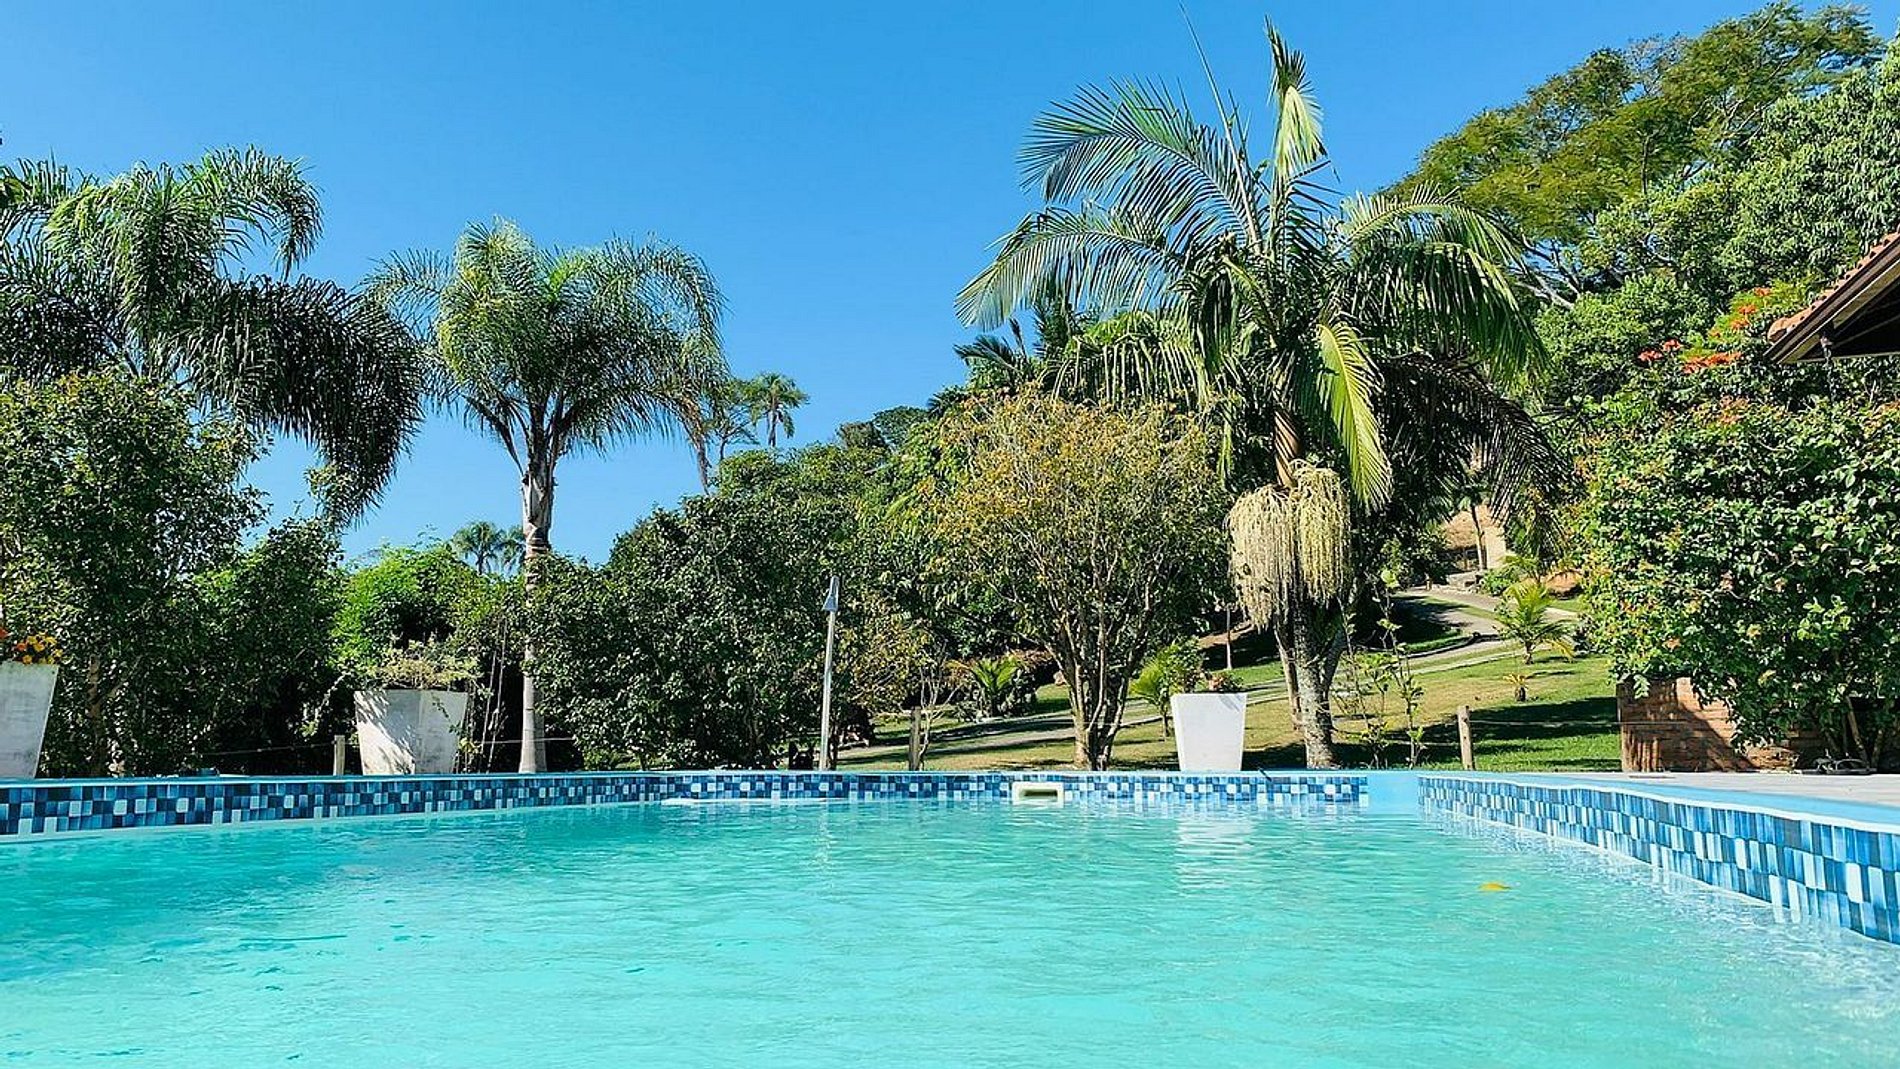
(1858, 790)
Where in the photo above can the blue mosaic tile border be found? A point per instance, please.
(1808, 865)
(56, 807)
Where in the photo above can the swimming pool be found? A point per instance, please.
(923, 934)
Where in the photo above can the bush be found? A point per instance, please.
(1749, 545)
(116, 510)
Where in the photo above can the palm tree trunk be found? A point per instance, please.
(1304, 658)
(1477, 534)
(705, 465)
(537, 516)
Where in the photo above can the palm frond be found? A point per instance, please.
(312, 360)
(1346, 389)
(1445, 420)
(1140, 147)
(1438, 275)
(1099, 260)
(1297, 144)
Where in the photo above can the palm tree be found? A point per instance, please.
(488, 547)
(555, 351)
(770, 398)
(713, 416)
(1469, 495)
(1320, 340)
(1524, 618)
(150, 272)
(514, 546)
(1008, 364)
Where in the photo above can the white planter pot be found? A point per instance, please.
(1210, 731)
(26, 694)
(409, 732)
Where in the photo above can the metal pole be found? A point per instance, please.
(824, 710)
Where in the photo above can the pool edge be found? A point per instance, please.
(1806, 863)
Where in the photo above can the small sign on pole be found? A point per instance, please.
(824, 709)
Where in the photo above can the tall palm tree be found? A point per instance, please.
(152, 272)
(1307, 331)
(770, 398)
(488, 547)
(555, 351)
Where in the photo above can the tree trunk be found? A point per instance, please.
(1304, 657)
(537, 517)
(1477, 535)
(1093, 695)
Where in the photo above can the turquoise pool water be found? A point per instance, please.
(916, 935)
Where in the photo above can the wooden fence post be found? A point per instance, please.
(1464, 738)
(339, 755)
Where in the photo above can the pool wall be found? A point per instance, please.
(1833, 866)
(1827, 867)
(64, 807)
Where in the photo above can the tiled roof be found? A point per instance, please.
(1793, 334)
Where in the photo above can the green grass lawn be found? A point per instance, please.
(1568, 724)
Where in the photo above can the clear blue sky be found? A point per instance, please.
(842, 167)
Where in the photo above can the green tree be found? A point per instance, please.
(770, 399)
(151, 272)
(1748, 545)
(261, 695)
(1361, 348)
(554, 351)
(700, 641)
(1097, 527)
(115, 504)
(714, 415)
(1631, 121)
(1768, 221)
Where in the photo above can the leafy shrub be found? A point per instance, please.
(1749, 545)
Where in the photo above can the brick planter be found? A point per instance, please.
(1669, 729)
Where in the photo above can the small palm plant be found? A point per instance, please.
(1524, 618)
(992, 682)
(1173, 669)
